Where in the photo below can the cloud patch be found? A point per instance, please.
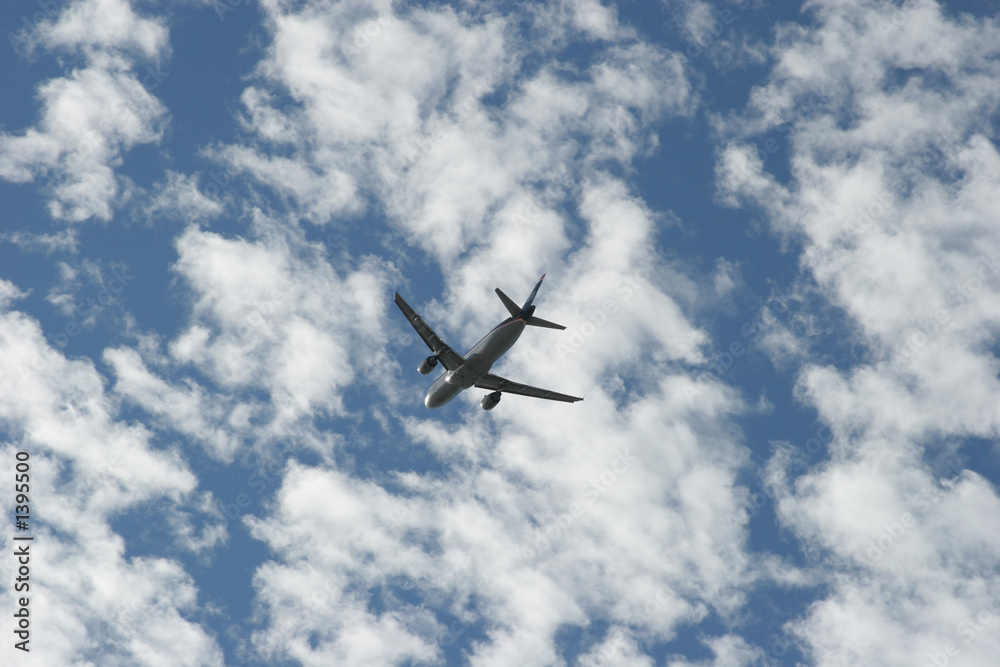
(94, 114)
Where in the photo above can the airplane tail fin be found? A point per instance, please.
(527, 309)
(531, 297)
(508, 303)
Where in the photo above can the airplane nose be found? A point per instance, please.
(440, 392)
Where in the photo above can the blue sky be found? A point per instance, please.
(771, 232)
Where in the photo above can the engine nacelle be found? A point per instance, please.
(490, 400)
(427, 365)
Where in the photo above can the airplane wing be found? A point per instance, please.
(497, 383)
(450, 359)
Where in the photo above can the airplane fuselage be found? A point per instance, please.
(478, 362)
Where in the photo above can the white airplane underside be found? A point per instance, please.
(473, 370)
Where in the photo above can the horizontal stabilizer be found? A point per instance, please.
(539, 322)
(509, 304)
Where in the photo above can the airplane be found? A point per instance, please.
(473, 370)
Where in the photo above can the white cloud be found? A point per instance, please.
(9, 293)
(888, 113)
(94, 26)
(94, 114)
(596, 19)
(62, 241)
(179, 196)
(892, 236)
(726, 277)
(268, 315)
(189, 409)
(529, 525)
(416, 136)
(89, 601)
(914, 558)
(728, 651)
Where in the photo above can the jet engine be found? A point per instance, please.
(427, 365)
(490, 400)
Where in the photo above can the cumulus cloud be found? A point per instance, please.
(275, 319)
(188, 408)
(94, 114)
(89, 600)
(96, 26)
(417, 137)
(269, 315)
(891, 150)
(522, 539)
(180, 197)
